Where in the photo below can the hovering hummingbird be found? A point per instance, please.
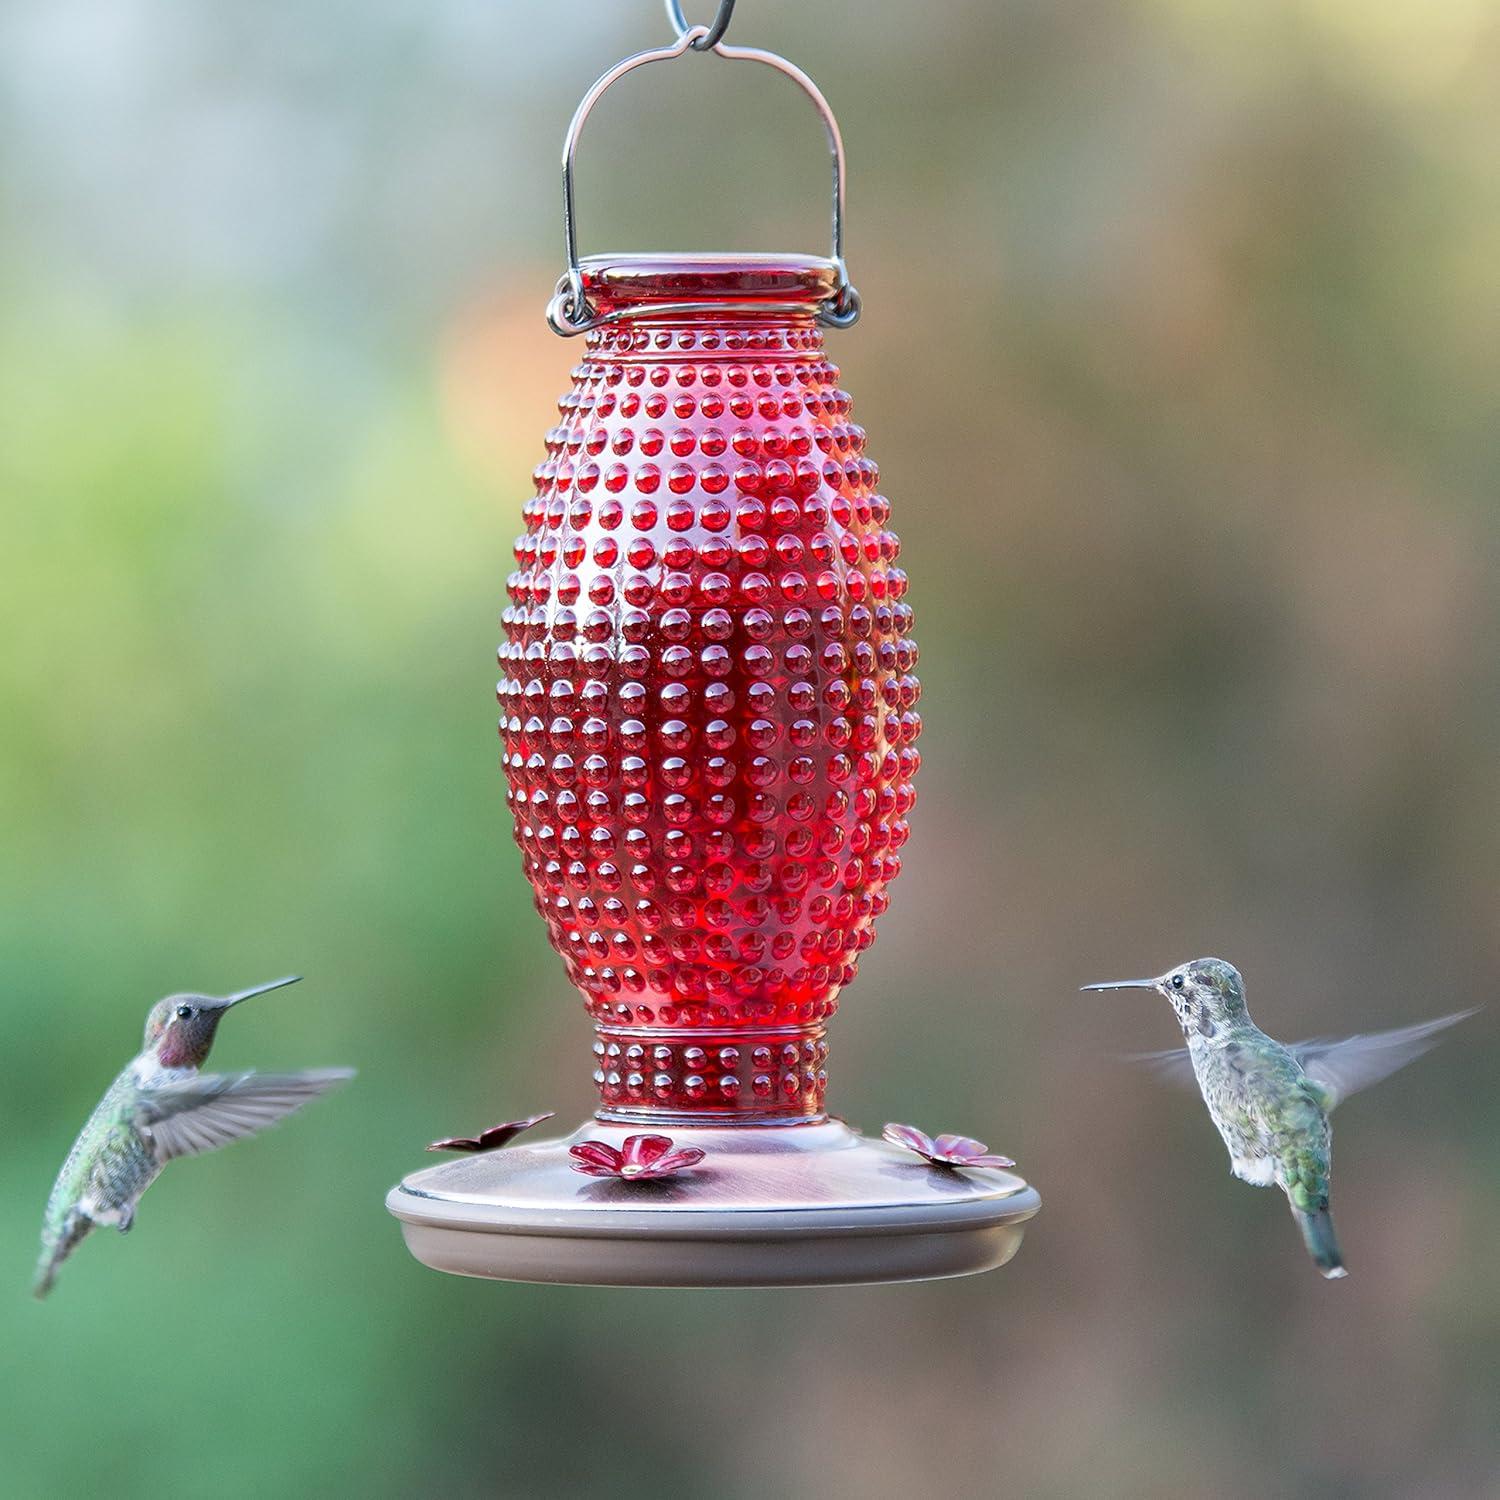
(159, 1108)
(1271, 1103)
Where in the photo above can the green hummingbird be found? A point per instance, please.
(161, 1107)
(1271, 1103)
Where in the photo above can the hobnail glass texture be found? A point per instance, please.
(708, 706)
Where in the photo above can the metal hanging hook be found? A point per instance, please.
(569, 311)
(710, 36)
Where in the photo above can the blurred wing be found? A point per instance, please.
(1344, 1066)
(204, 1113)
(1173, 1066)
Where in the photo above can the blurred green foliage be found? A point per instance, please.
(1180, 360)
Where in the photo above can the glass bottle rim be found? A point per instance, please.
(618, 282)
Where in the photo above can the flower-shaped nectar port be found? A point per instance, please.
(945, 1150)
(493, 1138)
(639, 1158)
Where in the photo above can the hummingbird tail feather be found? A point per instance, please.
(1321, 1241)
(57, 1251)
(46, 1277)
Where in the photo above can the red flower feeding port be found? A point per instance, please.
(641, 1158)
(709, 719)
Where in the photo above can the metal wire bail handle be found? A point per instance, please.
(569, 311)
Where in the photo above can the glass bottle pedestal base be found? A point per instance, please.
(812, 1204)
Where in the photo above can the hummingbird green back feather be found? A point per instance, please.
(158, 1108)
(1270, 1103)
(109, 1167)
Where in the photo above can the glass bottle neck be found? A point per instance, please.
(744, 1076)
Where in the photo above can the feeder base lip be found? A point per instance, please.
(801, 1205)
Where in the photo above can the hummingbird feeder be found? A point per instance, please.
(709, 724)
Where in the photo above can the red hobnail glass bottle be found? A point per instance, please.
(708, 705)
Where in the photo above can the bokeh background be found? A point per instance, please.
(1181, 361)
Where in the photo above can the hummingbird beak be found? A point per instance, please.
(1124, 984)
(260, 989)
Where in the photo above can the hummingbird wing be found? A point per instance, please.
(1174, 1066)
(1344, 1065)
(1340, 1066)
(201, 1114)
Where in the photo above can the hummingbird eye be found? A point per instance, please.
(1176, 983)
(184, 1012)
